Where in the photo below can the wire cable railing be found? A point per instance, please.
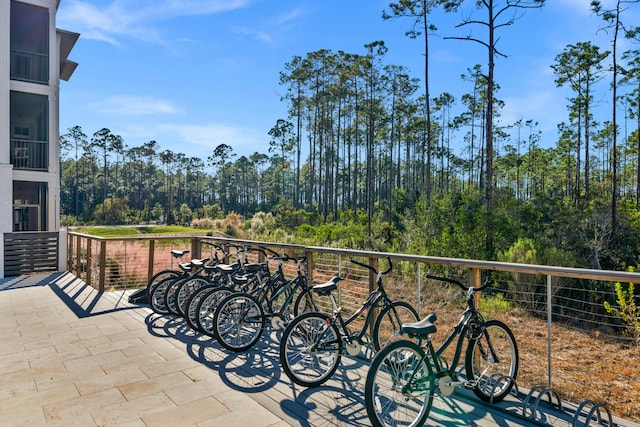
(557, 313)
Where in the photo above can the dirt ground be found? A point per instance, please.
(585, 365)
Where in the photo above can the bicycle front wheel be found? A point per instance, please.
(239, 321)
(388, 325)
(156, 299)
(191, 315)
(171, 296)
(207, 309)
(186, 290)
(310, 349)
(158, 277)
(399, 387)
(492, 361)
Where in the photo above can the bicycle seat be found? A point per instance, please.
(254, 268)
(325, 289)
(185, 266)
(225, 268)
(209, 268)
(241, 279)
(177, 254)
(422, 328)
(197, 262)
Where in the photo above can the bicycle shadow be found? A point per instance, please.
(253, 371)
(338, 402)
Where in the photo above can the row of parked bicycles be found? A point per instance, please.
(236, 302)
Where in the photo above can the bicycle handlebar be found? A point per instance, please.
(459, 283)
(373, 269)
(275, 254)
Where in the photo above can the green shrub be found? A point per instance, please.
(627, 310)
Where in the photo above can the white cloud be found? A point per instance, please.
(291, 16)
(260, 35)
(195, 140)
(209, 135)
(134, 18)
(128, 105)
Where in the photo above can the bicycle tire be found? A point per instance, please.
(389, 398)
(388, 325)
(497, 378)
(191, 315)
(158, 277)
(304, 303)
(207, 309)
(239, 322)
(186, 289)
(156, 299)
(304, 363)
(171, 296)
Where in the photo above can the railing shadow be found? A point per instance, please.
(84, 301)
(20, 282)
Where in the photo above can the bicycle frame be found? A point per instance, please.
(372, 301)
(459, 331)
(289, 289)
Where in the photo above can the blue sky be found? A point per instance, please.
(192, 74)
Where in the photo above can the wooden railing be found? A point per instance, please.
(571, 297)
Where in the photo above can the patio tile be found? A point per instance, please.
(188, 414)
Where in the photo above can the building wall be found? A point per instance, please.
(8, 174)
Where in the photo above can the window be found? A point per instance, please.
(20, 132)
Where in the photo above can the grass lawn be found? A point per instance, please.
(137, 230)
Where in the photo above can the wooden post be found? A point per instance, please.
(475, 279)
(103, 265)
(152, 252)
(78, 256)
(310, 266)
(88, 266)
(195, 248)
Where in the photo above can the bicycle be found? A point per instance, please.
(403, 377)
(157, 297)
(313, 343)
(246, 277)
(162, 287)
(240, 317)
(165, 274)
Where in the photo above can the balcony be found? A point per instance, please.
(29, 67)
(29, 155)
(29, 43)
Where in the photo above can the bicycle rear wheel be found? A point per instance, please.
(304, 303)
(491, 361)
(310, 349)
(387, 327)
(399, 387)
(239, 322)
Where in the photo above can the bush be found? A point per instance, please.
(627, 310)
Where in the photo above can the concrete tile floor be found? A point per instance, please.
(70, 356)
